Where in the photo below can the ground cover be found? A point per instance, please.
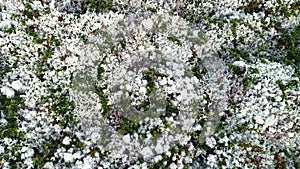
(149, 84)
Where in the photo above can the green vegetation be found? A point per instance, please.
(166, 160)
(128, 126)
(104, 100)
(10, 30)
(10, 108)
(175, 40)
(196, 69)
(284, 87)
(199, 73)
(151, 9)
(234, 24)
(254, 71)
(171, 109)
(238, 53)
(247, 81)
(236, 69)
(98, 6)
(100, 89)
(282, 9)
(62, 107)
(42, 65)
(84, 39)
(290, 41)
(151, 76)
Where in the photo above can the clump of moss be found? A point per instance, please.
(10, 108)
(238, 53)
(282, 9)
(284, 87)
(128, 126)
(175, 40)
(166, 160)
(98, 5)
(10, 30)
(62, 107)
(151, 9)
(291, 43)
(236, 69)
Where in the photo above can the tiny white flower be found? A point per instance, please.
(17, 85)
(29, 163)
(194, 80)
(51, 73)
(2, 149)
(143, 90)
(291, 135)
(141, 48)
(7, 91)
(165, 162)
(259, 119)
(210, 142)
(147, 152)
(36, 4)
(31, 103)
(76, 155)
(68, 157)
(22, 7)
(212, 160)
(158, 148)
(30, 152)
(72, 60)
(258, 86)
(270, 121)
(24, 149)
(163, 81)
(144, 82)
(128, 87)
(66, 141)
(157, 158)
(188, 159)
(172, 166)
(278, 98)
(54, 79)
(170, 82)
(95, 137)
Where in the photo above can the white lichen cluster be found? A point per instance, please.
(148, 84)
